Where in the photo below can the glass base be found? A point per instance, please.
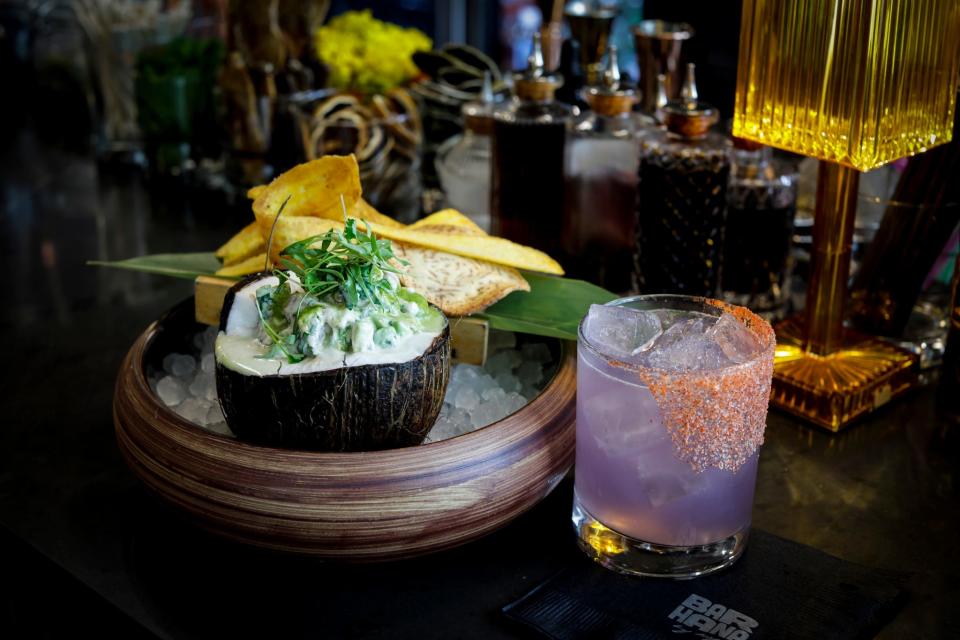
(636, 557)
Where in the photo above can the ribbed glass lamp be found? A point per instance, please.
(856, 84)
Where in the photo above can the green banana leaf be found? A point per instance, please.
(553, 307)
(175, 265)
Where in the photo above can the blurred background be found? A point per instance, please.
(55, 53)
(138, 126)
(121, 113)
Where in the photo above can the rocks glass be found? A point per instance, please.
(672, 396)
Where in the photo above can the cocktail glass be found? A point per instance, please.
(667, 449)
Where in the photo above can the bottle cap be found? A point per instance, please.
(536, 83)
(688, 117)
(609, 98)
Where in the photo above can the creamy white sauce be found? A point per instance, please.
(245, 355)
(239, 348)
(362, 338)
(406, 349)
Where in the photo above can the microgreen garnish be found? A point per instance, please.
(352, 263)
(345, 268)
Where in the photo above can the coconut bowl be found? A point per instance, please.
(356, 408)
(358, 506)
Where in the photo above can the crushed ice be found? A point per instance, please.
(622, 331)
(670, 340)
(476, 396)
(191, 390)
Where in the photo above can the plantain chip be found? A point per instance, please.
(488, 248)
(242, 245)
(481, 247)
(448, 221)
(253, 264)
(365, 211)
(313, 188)
(362, 209)
(458, 286)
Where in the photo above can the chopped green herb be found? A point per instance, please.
(339, 290)
(352, 263)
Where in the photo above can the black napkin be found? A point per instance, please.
(778, 589)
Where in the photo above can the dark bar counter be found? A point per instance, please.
(85, 547)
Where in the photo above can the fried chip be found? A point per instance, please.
(458, 286)
(448, 221)
(361, 209)
(245, 243)
(365, 211)
(313, 188)
(454, 263)
(479, 247)
(253, 264)
(487, 248)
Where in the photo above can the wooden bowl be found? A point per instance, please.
(374, 505)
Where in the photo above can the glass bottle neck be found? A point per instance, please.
(753, 163)
(613, 126)
(535, 111)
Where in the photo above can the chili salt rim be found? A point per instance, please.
(715, 417)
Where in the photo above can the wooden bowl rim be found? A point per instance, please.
(507, 430)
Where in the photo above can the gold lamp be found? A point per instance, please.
(856, 84)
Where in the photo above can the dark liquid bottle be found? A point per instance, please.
(526, 187)
(681, 204)
(761, 205)
(601, 184)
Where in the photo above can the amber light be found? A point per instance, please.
(856, 84)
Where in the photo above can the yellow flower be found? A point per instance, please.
(367, 55)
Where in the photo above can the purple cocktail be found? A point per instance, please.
(671, 404)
